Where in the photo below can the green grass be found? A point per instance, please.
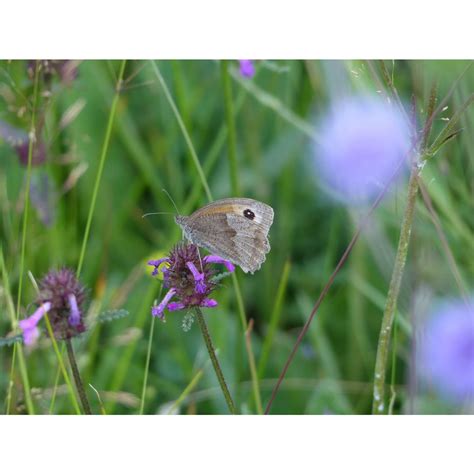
(202, 132)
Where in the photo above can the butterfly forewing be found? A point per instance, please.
(233, 228)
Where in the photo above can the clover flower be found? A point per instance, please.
(246, 68)
(363, 141)
(188, 279)
(447, 350)
(62, 297)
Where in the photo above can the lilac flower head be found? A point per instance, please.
(447, 350)
(38, 156)
(363, 140)
(188, 279)
(246, 68)
(19, 140)
(62, 297)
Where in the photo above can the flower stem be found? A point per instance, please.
(378, 406)
(77, 378)
(215, 362)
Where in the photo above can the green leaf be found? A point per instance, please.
(9, 341)
(111, 314)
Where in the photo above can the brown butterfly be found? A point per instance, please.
(234, 228)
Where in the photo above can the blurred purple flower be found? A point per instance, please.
(188, 279)
(447, 350)
(246, 68)
(37, 158)
(62, 297)
(18, 139)
(43, 197)
(363, 139)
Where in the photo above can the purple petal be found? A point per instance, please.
(30, 336)
(246, 68)
(198, 278)
(209, 303)
(363, 141)
(75, 316)
(156, 264)
(176, 306)
(216, 259)
(157, 311)
(28, 326)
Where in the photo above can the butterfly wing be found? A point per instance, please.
(235, 229)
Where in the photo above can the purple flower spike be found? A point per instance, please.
(156, 264)
(189, 286)
(157, 311)
(175, 306)
(447, 350)
(216, 259)
(246, 68)
(29, 325)
(363, 141)
(198, 278)
(75, 316)
(209, 303)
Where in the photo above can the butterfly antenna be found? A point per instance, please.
(155, 213)
(171, 199)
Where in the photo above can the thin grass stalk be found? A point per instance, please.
(103, 155)
(18, 351)
(215, 362)
(185, 133)
(124, 361)
(231, 135)
(253, 369)
(189, 388)
(147, 365)
(328, 286)
(274, 319)
(61, 364)
(378, 406)
(31, 142)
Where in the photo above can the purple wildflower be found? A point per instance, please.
(62, 297)
(29, 325)
(246, 68)
(447, 350)
(38, 156)
(363, 141)
(19, 140)
(188, 279)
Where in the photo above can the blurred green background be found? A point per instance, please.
(276, 116)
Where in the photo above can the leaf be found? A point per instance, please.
(9, 341)
(111, 314)
(220, 276)
(448, 132)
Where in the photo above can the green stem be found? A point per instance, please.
(62, 367)
(31, 142)
(103, 155)
(230, 120)
(378, 406)
(77, 378)
(185, 133)
(253, 369)
(215, 362)
(147, 364)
